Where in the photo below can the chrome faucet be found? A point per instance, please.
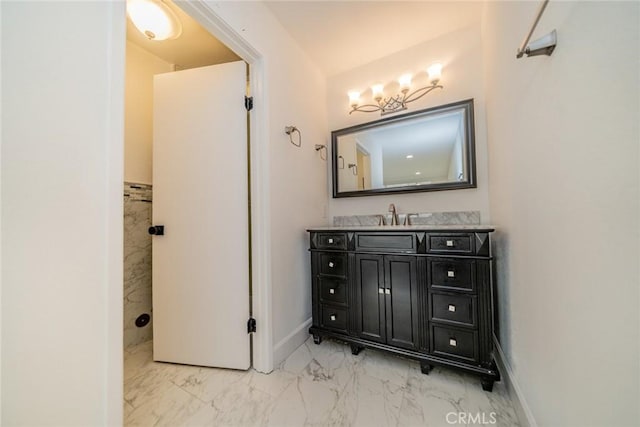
(407, 220)
(394, 215)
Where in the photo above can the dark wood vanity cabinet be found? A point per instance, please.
(386, 303)
(424, 294)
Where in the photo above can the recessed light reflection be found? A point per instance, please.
(409, 156)
(417, 173)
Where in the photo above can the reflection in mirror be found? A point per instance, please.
(423, 151)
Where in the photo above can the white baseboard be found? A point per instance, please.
(515, 392)
(288, 344)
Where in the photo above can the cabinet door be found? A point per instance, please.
(401, 294)
(370, 322)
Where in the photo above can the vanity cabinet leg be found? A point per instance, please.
(425, 368)
(317, 339)
(356, 349)
(487, 383)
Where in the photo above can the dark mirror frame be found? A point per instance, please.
(470, 151)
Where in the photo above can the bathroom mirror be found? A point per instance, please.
(427, 150)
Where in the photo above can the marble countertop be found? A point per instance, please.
(390, 228)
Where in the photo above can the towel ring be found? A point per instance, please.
(320, 147)
(289, 130)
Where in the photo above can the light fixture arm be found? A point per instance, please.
(396, 103)
(419, 93)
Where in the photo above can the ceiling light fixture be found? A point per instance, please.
(400, 101)
(154, 19)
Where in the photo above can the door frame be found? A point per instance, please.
(262, 354)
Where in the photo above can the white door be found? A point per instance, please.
(200, 196)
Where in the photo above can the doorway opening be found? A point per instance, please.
(138, 316)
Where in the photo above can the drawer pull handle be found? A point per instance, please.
(453, 342)
(331, 264)
(330, 240)
(450, 243)
(332, 291)
(451, 273)
(452, 308)
(387, 291)
(380, 291)
(333, 317)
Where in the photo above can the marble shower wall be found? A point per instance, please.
(137, 262)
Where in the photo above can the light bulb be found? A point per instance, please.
(354, 98)
(435, 72)
(405, 82)
(154, 19)
(377, 91)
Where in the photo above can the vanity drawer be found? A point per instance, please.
(337, 241)
(332, 290)
(459, 243)
(386, 242)
(454, 309)
(454, 342)
(452, 274)
(333, 317)
(333, 264)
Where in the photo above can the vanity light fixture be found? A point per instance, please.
(154, 19)
(400, 101)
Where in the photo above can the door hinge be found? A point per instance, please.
(248, 103)
(251, 325)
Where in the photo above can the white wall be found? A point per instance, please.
(62, 113)
(563, 154)
(294, 95)
(461, 56)
(141, 66)
(1, 135)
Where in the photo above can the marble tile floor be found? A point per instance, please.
(318, 385)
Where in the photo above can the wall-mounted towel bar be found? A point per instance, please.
(542, 46)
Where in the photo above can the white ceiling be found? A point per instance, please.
(337, 35)
(341, 35)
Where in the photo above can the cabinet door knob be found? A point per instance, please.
(380, 291)
(451, 273)
(332, 317)
(452, 308)
(330, 240)
(332, 291)
(387, 291)
(331, 264)
(449, 243)
(453, 342)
